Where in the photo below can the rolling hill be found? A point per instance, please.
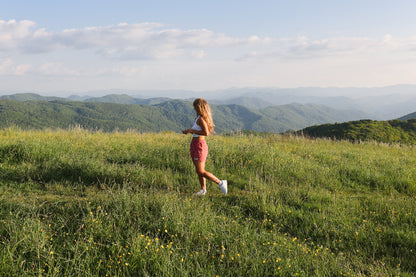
(173, 115)
(96, 116)
(378, 103)
(392, 131)
(409, 116)
(127, 99)
(30, 97)
(254, 103)
(297, 116)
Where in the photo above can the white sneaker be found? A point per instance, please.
(201, 192)
(223, 186)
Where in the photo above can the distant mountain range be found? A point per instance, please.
(159, 114)
(377, 103)
(260, 110)
(384, 103)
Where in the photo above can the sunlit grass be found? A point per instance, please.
(79, 203)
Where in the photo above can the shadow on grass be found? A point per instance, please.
(59, 172)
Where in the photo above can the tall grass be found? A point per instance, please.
(79, 203)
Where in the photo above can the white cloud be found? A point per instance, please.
(8, 67)
(152, 41)
(12, 33)
(56, 69)
(199, 54)
(353, 47)
(22, 69)
(126, 71)
(126, 41)
(151, 53)
(5, 65)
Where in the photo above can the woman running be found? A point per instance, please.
(203, 126)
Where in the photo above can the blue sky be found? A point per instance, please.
(76, 46)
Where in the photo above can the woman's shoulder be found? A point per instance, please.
(201, 118)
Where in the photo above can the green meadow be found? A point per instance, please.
(82, 203)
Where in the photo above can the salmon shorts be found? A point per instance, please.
(199, 150)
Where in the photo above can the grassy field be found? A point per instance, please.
(79, 203)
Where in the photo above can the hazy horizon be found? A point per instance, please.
(349, 92)
(377, 103)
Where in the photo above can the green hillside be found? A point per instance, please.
(81, 203)
(93, 116)
(173, 115)
(297, 116)
(127, 99)
(114, 98)
(364, 130)
(409, 116)
(249, 102)
(30, 97)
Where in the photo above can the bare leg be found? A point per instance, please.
(202, 182)
(203, 175)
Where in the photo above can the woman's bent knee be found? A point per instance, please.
(200, 173)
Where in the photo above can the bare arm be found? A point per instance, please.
(201, 122)
(204, 126)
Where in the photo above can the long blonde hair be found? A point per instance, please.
(203, 109)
